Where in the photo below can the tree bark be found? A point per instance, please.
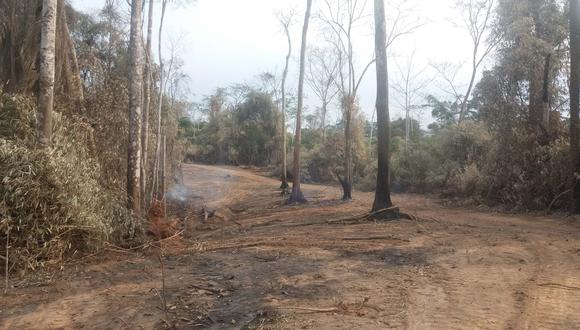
(297, 196)
(323, 121)
(159, 107)
(575, 101)
(47, 71)
(284, 177)
(76, 81)
(349, 104)
(146, 101)
(382, 192)
(135, 99)
(546, 95)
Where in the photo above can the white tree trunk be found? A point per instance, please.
(47, 64)
(135, 100)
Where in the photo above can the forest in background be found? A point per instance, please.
(500, 140)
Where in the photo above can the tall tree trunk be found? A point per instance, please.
(47, 71)
(297, 196)
(158, 193)
(284, 177)
(382, 192)
(146, 102)
(575, 101)
(135, 99)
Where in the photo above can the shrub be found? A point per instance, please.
(52, 202)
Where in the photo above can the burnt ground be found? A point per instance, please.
(259, 264)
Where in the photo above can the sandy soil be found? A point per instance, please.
(261, 265)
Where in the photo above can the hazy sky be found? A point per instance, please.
(230, 41)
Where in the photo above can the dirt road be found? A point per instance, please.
(268, 266)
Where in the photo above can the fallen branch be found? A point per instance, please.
(561, 286)
(311, 309)
(370, 238)
(214, 291)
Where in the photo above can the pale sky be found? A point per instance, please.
(231, 41)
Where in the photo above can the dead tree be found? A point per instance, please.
(285, 21)
(297, 196)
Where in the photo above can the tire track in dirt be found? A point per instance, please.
(554, 295)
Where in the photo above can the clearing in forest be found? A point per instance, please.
(257, 264)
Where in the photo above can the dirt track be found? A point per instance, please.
(288, 267)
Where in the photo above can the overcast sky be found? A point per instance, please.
(231, 41)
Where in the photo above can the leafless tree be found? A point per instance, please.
(409, 85)
(135, 99)
(286, 21)
(47, 71)
(297, 196)
(477, 17)
(321, 76)
(343, 17)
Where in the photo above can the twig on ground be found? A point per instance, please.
(126, 324)
(311, 309)
(116, 248)
(560, 286)
(214, 291)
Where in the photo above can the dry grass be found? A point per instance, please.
(52, 203)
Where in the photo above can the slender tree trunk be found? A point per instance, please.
(546, 95)
(323, 121)
(47, 71)
(135, 99)
(159, 106)
(347, 181)
(407, 118)
(382, 192)
(163, 167)
(297, 196)
(463, 111)
(575, 101)
(72, 63)
(284, 177)
(146, 102)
